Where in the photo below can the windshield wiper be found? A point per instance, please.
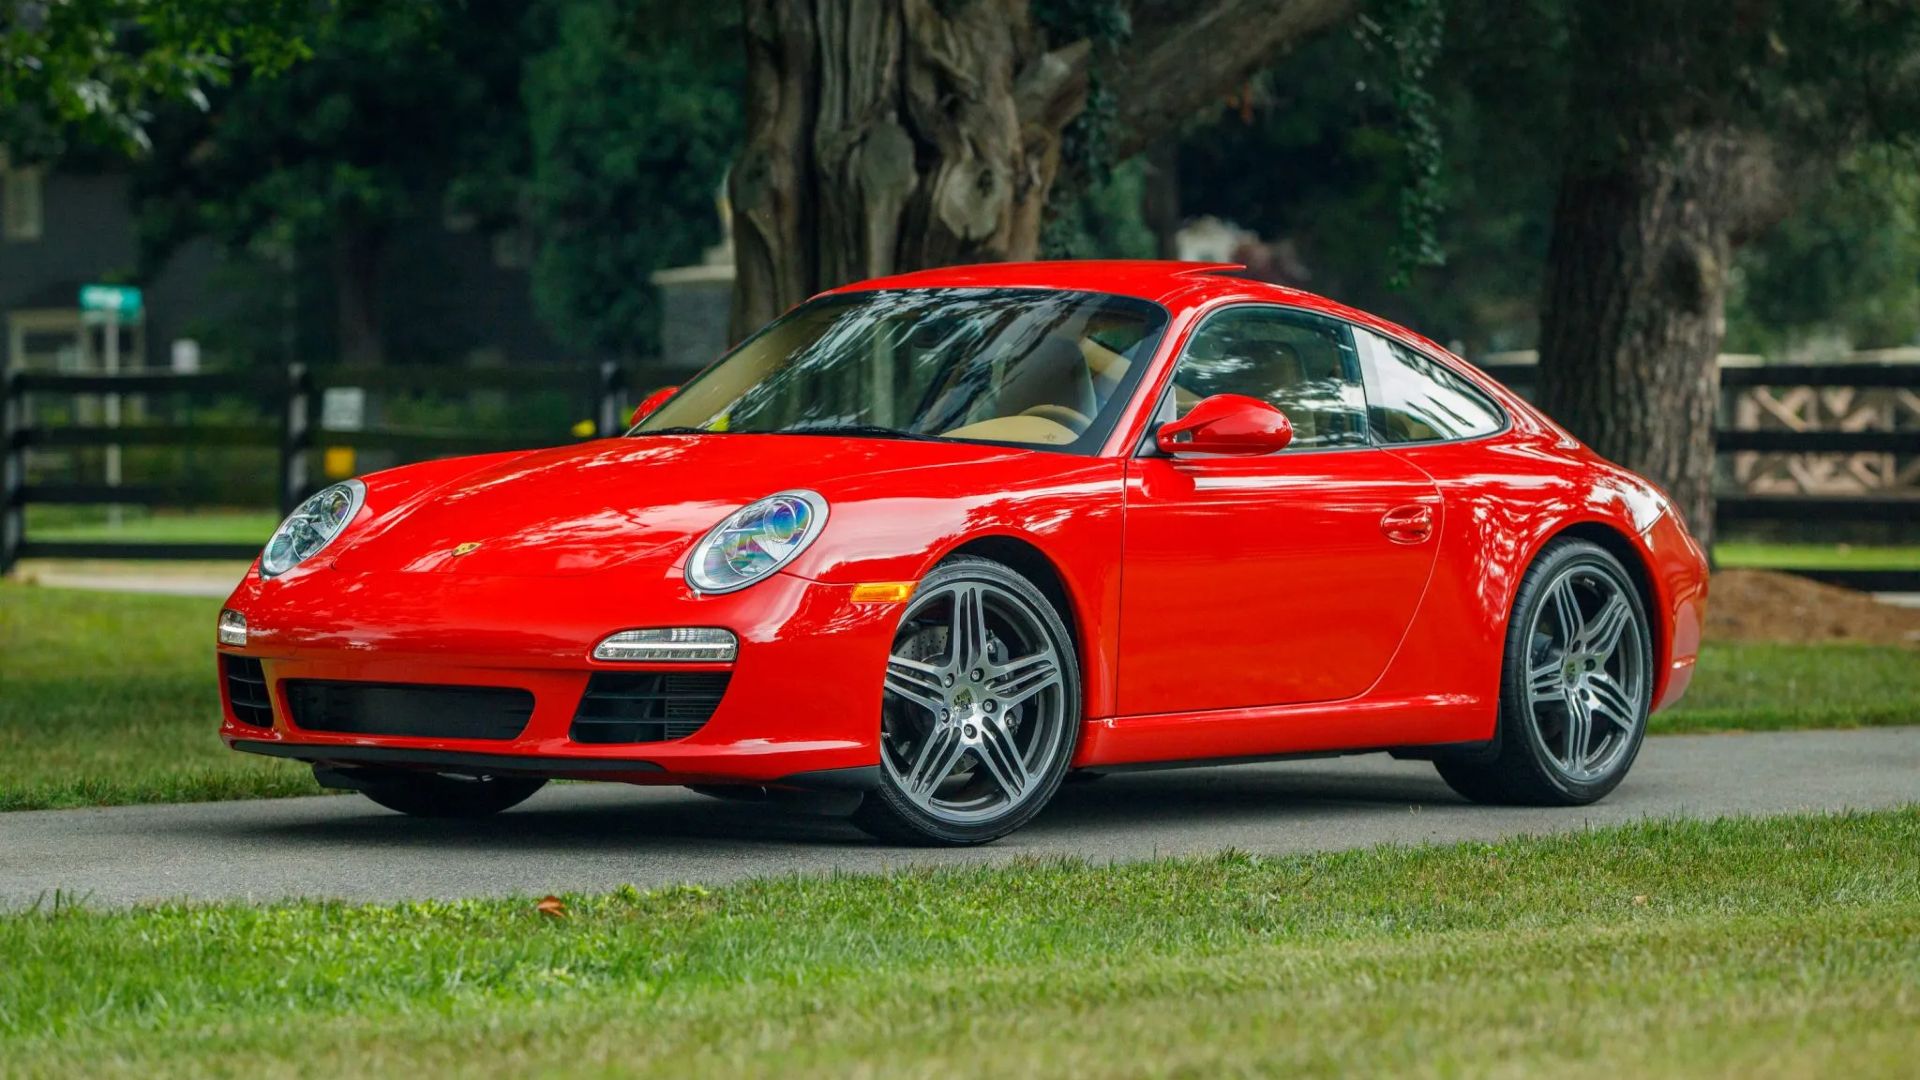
(864, 431)
(682, 430)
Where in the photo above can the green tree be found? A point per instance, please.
(1705, 126)
(403, 112)
(1316, 153)
(1845, 267)
(96, 70)
(634, 113)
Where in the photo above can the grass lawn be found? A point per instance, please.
(1755, 686)
(111, 698)
(1780, 947)
(1758, 555)
(138, 525)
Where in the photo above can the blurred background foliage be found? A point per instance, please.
(1419, 136)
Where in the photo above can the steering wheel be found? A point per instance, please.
(1072, 419)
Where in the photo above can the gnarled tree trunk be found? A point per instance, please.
(892, 135)
(1635, 302)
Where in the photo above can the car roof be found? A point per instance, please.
(1148, 279)
(1173, 285)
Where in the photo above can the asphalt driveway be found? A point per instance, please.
(581, 837)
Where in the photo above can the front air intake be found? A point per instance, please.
(493, 713)
(247, 690)
(642, 707)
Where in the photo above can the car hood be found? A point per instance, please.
(579, 509)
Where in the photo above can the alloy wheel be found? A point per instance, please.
(1587, 679)
(973, 716)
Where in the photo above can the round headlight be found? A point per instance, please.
(312, 526)
(755, 541)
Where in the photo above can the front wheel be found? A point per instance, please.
(980, 712)
(435, 795)
(1576, 687)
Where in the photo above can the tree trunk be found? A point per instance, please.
(887, 135)
(893, 135)
(356, 286)
(1635, 300)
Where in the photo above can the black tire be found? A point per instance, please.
(889, 814)
(433, 795)
(1521, 770)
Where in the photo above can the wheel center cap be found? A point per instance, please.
(963, 699)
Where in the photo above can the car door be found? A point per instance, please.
(1279, 578)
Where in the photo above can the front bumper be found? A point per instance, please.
(801, 706)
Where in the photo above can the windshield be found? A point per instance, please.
(1037, 367)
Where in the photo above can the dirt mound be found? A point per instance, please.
(1760, 605)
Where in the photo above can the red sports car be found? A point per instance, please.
(943, 538)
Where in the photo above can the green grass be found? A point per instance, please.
(111, 698)
(1782, 947)
(90, 525)
(1760, 555)
(1753, 686)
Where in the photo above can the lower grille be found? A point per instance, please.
(646, 707)
(247, 690)
(428, 712)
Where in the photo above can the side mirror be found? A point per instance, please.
(649, 403)
(1227, 424)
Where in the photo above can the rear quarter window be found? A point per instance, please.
(1412, 397)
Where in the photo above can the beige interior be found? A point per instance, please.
(1025, 429)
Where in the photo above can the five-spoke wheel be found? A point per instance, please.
(1577, 688)
(980, 711)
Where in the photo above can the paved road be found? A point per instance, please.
(590, 837)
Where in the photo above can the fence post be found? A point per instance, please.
(293, 439)
(13, 469)
(612, 399)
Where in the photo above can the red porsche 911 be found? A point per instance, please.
(939, 540)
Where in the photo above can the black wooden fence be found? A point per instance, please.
(289, 396)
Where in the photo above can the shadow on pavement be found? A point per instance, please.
(628, 820)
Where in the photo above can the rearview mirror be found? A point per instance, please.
(1227, 424)
(649, 403)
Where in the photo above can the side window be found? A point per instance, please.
(1302, 364)
(1414, 398)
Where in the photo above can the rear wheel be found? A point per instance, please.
(980, 712)
(1576, 685)
(438, 795)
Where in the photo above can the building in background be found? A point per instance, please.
(451, 294)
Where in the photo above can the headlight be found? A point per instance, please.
(755, 541)
(312, 526)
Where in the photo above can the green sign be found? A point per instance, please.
(122, 300)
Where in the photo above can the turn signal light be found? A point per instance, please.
(233, 628)
(882, 592)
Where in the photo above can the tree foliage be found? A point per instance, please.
(634, 113)
(1320, 154)
(1841, 272)
(402, 113)
(99, 69)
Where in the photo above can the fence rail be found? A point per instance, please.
(288, 397)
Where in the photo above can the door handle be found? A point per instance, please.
(1410, 524)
